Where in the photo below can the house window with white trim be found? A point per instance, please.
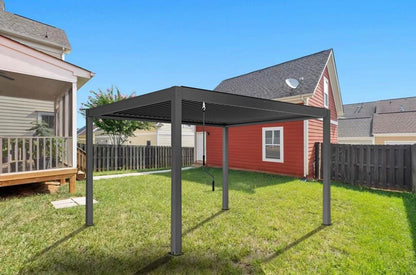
(273, 144)
(48, 118)
(326, 95)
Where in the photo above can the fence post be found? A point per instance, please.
(147, 157)
(413, 161)
(317, 161)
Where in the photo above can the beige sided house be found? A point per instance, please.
(390, 122)
(159, 136)
(36, 84)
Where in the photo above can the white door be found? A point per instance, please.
(199, 147)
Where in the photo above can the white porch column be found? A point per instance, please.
(74, 124)
(61, 116)
(67, 114)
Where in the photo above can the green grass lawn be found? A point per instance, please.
(273, 227)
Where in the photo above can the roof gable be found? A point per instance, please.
(270, 83)
(13, 24)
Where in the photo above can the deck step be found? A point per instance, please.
(56, 183)
(80, 175)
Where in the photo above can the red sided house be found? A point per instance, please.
(282, 148)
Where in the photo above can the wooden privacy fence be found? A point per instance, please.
(379, 166)
(135, 157)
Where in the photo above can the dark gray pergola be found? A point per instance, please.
(177, 105)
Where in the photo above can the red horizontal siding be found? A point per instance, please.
(245, 148)
(315, 126)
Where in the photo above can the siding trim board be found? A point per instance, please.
(396, 135)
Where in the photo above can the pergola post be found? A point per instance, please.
(89, 172)
(225, 168)
(176, 179)
(326, 163)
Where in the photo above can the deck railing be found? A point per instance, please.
(20, 154)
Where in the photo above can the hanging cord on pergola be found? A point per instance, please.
(203, 147)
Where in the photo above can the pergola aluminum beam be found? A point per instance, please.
(271, 121)
(176, 178)
(167, 120)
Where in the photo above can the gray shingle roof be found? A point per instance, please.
(396, 105)
(354, 127)
(21, 26)
(359, 110)
(402, 122)
(270, 83)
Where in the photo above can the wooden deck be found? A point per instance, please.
(61, 174)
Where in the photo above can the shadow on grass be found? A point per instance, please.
(292, 244)
(56, 244)
(165, 259)
(155, 264)
(245, 181)
(190, 230)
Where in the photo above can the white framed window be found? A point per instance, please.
(326, 94)
(272, 144)
(48, 118)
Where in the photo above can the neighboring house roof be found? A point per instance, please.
(354, 127)
(270, 83)
(396, 105)
(391, 116)
(390, 123)
(359, 110)
(13, 24)
(83, 130)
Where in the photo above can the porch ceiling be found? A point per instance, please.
(26, 86)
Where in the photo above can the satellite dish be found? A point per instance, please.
(292, 83)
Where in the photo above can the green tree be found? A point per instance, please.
(40, 128)
(118, 130)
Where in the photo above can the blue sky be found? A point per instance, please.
(143, 46)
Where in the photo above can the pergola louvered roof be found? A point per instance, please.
(222, 109)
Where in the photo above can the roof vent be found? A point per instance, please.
(2, 6)
(292, 83)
